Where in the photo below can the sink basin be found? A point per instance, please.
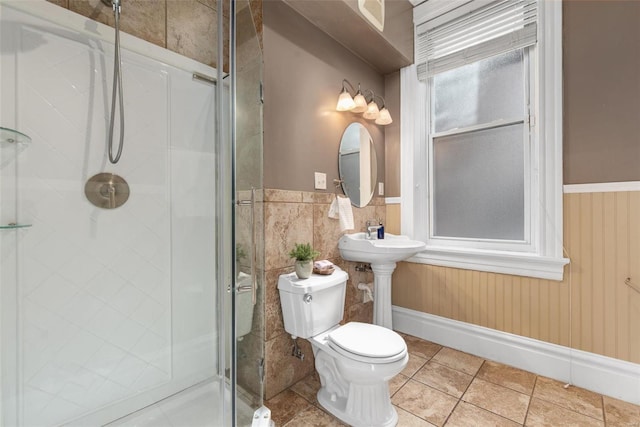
(382, 255)
(355, 247)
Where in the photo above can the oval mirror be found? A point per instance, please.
(357, 164)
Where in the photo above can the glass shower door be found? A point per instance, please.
(246, 65)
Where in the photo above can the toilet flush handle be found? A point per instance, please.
(307, 298)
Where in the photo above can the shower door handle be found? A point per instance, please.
(254, 285)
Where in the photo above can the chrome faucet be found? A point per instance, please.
(371, 230)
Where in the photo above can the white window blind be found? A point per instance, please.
(458, 37)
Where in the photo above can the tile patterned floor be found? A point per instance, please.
(445, 387)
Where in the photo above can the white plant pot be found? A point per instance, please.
(304, 269)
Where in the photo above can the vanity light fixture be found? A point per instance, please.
(359, 104)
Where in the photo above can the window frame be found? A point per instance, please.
(543, 258)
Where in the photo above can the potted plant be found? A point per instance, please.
(304, 254)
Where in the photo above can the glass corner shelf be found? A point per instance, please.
(13, 226)
(11, 136)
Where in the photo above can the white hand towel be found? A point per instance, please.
(341, 209)
(345, 212)
(333, 209)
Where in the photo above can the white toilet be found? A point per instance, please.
(355, 361)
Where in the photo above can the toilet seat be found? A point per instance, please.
(367, 343)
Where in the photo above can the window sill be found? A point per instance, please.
(518, 264)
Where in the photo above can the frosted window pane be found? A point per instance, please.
(487, 90)
(479, 184)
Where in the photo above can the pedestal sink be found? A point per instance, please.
(382, 254)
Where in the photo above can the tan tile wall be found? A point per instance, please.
(591, 310)
(188, 27)
(302, 217)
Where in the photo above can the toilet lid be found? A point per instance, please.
(369, 341)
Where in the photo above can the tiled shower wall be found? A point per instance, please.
(187, 27)
(302, 217)
(109, 303)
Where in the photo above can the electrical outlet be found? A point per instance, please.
(381, 189)
(321, 181)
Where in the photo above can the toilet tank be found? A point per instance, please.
(314, 305)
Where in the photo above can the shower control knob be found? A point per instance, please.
(107, 191)
(307, 298)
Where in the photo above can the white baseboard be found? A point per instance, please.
(601, 374)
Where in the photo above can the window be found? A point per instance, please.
(479, 142)
(481, 180)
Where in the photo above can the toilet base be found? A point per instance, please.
(356, 409)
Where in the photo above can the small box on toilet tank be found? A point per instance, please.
(323, 302)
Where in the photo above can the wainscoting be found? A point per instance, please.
(594, 309)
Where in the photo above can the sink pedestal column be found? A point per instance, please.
(382, 293)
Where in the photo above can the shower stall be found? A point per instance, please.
(137, 309)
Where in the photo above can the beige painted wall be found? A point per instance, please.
(303, 72)
(592, 309)
(601, 91)
(601, 72)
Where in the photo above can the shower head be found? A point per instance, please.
(112, 3)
